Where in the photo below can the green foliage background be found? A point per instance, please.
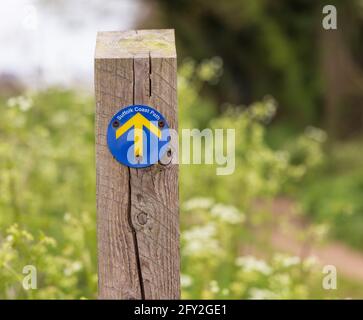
(47, 198)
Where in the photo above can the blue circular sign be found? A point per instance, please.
(138, 136)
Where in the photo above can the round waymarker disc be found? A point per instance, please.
(138, 136)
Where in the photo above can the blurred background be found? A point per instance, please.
(293, 92)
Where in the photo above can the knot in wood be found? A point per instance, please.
(142, 218)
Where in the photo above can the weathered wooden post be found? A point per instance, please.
(137, 209)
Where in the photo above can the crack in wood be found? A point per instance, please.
(134, 232)
(136, 246)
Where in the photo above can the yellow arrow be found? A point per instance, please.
(138, 121)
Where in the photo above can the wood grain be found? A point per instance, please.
(137, 209)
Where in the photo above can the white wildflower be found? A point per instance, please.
(74, 267)
(200, 240)
(77, 265)
(283, 280)
(287, 261)
(24, 103)
(250, 264)
(258, 294)
(227, 213)
(214, 287)
(67, 217)
(198, 203)
(186, 280)
(10, 238)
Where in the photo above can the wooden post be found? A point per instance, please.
(137, 209)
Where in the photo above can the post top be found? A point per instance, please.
(135, 43)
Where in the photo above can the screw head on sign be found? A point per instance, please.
(138, 158)
(116, 124)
